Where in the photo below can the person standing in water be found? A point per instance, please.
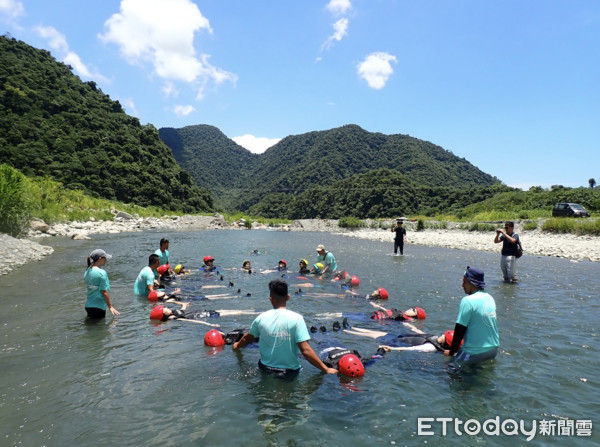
(400, 237)
(98, 286)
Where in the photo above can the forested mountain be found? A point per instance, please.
(322, 158)
(53, 124)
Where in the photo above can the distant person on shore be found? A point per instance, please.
(97, 285)
(146, 281)
(476, 322)
(510, 243)
(282, 335)
(400, 237)
(163, 254)
(304, 270)
(327, 258)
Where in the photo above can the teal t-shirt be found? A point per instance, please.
(280, 331)
(164, 257)
(96, 280)
(328, 260)
(144, 279)
(477, 312)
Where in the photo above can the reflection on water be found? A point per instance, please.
(127, 381)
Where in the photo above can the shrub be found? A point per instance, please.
(350, 222)
(529, 226)
(420, 225)
(14, 203)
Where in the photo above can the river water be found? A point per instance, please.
(127, 381)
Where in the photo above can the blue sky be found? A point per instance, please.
(512, 86)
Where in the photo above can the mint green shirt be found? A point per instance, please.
(477, 312)
(144, 279)
(96, 280)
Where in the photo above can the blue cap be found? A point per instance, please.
(475, 276)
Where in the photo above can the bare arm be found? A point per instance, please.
(427, 347)
(108, 303)
(313, 358)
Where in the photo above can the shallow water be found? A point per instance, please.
(126, 381)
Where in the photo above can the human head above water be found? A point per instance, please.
(153, 260)
(475, 277)
(278, 290)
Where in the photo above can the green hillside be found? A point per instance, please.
(53, 124)
(322, 158)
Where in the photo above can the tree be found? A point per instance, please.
(592, 183)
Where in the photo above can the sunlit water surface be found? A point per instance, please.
(127, 381)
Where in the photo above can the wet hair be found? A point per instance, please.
(152, 258)
(164, 241)
(278, 289)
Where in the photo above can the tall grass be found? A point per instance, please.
(15, 210)
(350, 222)
(571, 225)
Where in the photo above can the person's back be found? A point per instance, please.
(280, 331)
(477, 312)
(96, 280)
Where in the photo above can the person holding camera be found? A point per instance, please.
(510, 244)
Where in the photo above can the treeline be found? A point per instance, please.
(300, 163)
(53, 124)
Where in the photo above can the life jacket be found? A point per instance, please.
(335, 354)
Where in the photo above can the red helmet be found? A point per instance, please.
(383, 294)
(163, 269)
(208, 258)
(153, 296)
(351, 366)
(214, 338)
(157, 313)
(354, 281)
(449, 336)
(420, 313)
(283, 262)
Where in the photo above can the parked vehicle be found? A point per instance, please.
(569, 210)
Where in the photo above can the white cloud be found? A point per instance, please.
(376, 69)
(129, 106)
(11, 9)
(169, 90)
(162, 32)
(339, 7)
(340, 29)
(254, 144)
(58, 42)
(181, 110)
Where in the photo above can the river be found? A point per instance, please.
(128, 381)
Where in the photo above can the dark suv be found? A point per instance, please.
(569, 210)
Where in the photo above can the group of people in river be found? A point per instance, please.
(282, 334)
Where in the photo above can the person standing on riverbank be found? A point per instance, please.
(510, 243)
(98, 286)
(327, 258)
(400, 237)
(282, 335)
(476, 322)
(145, 281)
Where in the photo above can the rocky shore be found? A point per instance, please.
(16, 252)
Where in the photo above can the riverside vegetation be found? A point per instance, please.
(71, 153)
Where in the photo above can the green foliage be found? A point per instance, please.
(530, 226)
(53, 124)
(350, 222)
(14, 203)
(479, 226)
(577, 226)
(420, 225)
(312, 163)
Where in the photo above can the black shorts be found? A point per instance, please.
(95, 313)
(278, 371)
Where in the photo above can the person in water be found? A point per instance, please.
(246, 266)
(97, 286)
(304, 270)
(415, 341)
(209, 264)
(414, 313)
(476, 322)
(146, 281)
(282, 335)
(327, 258)
(164, 313)
(400, 237)
(163, 254)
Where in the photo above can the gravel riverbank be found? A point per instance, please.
(16, 252)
